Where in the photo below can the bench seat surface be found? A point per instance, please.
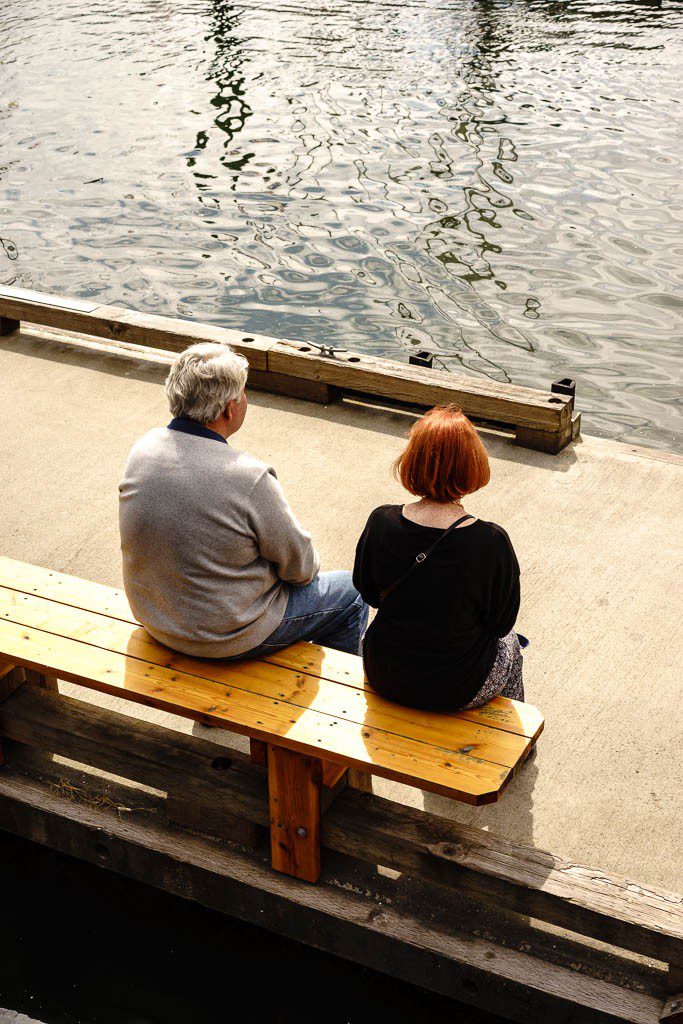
(306, 698)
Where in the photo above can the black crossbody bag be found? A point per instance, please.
(421, 558)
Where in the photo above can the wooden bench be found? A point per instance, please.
(307, 711)
(543, 420)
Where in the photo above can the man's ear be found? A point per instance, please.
(230, 410)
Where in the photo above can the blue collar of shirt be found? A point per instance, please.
(192, 427)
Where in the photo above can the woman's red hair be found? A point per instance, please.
(445, 458)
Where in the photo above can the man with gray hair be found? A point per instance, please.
(215, 564)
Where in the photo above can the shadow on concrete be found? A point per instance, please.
(510, 818)
(76, 351)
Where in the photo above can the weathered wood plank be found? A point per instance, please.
(127, 325)
(487, 400)
(501, 713)
(467, 860)
(440, 907)
(616, 910)
(294, 387)
(482, 973)
(197, 769)
(294, 795)
(672, 1011)
(209, 818)
(296, 368)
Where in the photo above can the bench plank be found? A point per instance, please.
(501, 713)
(447, 772)
(300, 689)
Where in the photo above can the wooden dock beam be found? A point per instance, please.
(464, 913)
(541, 420)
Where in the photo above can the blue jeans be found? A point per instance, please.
(327, 611)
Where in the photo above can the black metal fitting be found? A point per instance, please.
(422, 359)
(564, 386)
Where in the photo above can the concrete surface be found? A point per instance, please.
(597, 530)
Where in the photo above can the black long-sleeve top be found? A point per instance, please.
(434, 639)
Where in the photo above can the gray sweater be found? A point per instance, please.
(209, 542)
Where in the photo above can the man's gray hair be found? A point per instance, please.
(203, 379)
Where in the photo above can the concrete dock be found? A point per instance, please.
(598, 531)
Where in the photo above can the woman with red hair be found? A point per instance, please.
(446, 585)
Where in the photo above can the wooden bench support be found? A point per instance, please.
(360, 780)
(11, 677)
(34, 678)
(294, 794)
(331, 773)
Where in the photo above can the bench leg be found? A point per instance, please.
(294, 793)
(11, 678)
(34, 678)
(360, 780)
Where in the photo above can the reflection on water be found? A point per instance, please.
(494, 181)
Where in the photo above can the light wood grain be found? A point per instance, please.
(294, 798)
(303, 691)
(512, 716)
(450, 773)
(501, 713)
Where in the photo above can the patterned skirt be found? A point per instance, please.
(505, 677)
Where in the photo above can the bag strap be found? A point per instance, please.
(421, 558)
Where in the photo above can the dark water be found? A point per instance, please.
(80, 945)
(496, 181)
